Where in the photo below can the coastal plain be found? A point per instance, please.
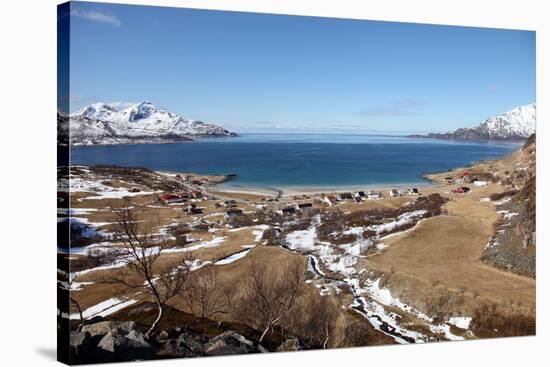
(408, 275)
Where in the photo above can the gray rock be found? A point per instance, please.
(185, 345)
(162, 336)
(117, 345)
(137, 336)
(103, 327)
(289, 345)
(193, 342)
(170, 333)
(229, 342)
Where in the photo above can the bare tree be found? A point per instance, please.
(206, 296)
(270, 296)
(140, 248)
(321, 320)
(314, 321)
(356, 333)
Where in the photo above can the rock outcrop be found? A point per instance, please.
(117, 341)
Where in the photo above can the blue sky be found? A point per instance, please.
(272, 73)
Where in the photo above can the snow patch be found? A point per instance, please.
(232, 258)
(461, 322)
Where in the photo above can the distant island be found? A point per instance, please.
(515, 125)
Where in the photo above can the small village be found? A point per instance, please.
(345, 244)
(196, 191)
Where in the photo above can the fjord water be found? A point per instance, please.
(300, 160)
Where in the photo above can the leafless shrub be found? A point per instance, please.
(92, 260)
(269, 217)
(487, 319)
(241, 221)
(356, 334)
(315, 321)
(206, 296)
(334, 223)
(269, 296)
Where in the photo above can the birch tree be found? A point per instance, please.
(140, 248)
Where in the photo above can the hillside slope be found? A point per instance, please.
(513, 247)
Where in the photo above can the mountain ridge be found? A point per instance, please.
(104, 124)
(514, 125)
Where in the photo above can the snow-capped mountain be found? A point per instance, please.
(103, 123)
(516, 124)
(519, 122)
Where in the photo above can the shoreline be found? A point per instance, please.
(430, 180)
(285, 191)
(221, 183)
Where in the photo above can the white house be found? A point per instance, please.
(394, 193)
(373, 195)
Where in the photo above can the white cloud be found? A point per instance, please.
(96, 16)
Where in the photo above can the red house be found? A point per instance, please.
(168, 198)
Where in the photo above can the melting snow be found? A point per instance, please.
(370, 299)
(232, 258)
(216, 241)
(302, 240)
(461, 322)
(105, 308)
(196, 264)
(103, 191)
(401, 220)
(259, 231)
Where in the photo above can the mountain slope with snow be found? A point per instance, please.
(516, 124)
(102, 123)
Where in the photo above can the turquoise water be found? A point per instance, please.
(294, 160)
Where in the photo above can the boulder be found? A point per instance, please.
(289, 345)
(229, 342)
(185, 345)
(119, 345)
(170, 333)
(194, 343)
(103, 327)
(162, 336)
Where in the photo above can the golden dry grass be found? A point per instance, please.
(445, 251)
